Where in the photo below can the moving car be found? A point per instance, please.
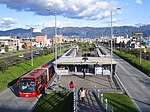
(21, 56)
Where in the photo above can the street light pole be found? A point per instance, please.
(56, 39)
(111, 71)
(55, 13)
(31, 49)
(111, 47)
(140, 49)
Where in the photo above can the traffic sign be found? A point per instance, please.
(136, 33)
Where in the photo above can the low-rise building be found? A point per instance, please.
(12, 43)
(42, 40)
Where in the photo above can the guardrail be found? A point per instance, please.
(74, 100)
(121, 86)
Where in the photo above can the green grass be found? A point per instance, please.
(10, 76)
(55, 102)
(120, 102)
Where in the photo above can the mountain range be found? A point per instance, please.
(84, 32)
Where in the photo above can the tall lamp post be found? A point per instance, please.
(56, 39)
(111, 47)
(55, 13)
(111, 54)
(31, 49)
(31, 27)
(32, 30)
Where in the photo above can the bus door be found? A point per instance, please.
(51, 72)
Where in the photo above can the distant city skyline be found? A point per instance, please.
(74, 13)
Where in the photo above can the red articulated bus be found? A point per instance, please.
(34, 82)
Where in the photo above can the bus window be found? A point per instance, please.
(26, 85)
(39, 80)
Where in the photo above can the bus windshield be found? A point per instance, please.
(26, 85)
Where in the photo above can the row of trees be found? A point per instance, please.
(86, 47)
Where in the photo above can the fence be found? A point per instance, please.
(74, 100)
(104, 101)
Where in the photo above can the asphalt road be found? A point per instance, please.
(10, 102)
(10, 58)
(136, 83)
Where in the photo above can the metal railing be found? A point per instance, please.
(121, 86)
(104, 101)
(74, 100)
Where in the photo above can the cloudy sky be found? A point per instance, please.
(76, 13)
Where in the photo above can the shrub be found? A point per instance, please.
(132, 59)
(3, 65)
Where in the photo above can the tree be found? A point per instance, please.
(24, 46)
(3, 66)
(6, 48)
(17, 47)
(143, 43)
(123, 44)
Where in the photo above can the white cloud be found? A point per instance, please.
(51, 24)
(116, 20)
(138, 1)
(75, 9)
(7, 22)
(142, 23)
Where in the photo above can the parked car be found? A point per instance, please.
(37, 53)
(2, 51)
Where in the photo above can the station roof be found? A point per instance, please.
(80, 60)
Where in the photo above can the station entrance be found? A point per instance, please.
(92, 66)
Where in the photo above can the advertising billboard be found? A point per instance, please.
(98, 70)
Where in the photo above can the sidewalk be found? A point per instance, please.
(90, 83)
(91, 104)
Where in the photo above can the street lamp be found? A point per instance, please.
(32, 63)
(31, 27)
(31, 49)
(111, 55)
(111, 47)
(55, 13)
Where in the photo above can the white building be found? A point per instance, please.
(11, 42)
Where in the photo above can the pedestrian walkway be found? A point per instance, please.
(91, 83)
(90, 104)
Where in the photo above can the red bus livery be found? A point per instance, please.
(34, 82)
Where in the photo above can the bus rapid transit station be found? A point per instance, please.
(71, 66)
(75, 63)
(92, 65)
(89, 70)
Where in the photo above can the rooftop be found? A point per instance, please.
(80, 60)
